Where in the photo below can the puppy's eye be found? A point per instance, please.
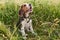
(24, 5)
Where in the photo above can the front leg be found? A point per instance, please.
(23, 30)
(31, 28)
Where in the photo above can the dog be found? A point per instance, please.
(25, 20)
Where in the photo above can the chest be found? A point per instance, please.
(26, 21)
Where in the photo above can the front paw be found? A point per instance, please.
(35, 34)
(25, 36)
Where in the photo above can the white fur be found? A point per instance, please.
(26, 26)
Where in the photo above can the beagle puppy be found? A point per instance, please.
(24, 19)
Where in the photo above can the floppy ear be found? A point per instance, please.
(21, 11)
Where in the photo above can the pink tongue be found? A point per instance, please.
(30, 9)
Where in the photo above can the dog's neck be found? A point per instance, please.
(26, 15)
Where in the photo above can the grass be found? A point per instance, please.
(46, 22)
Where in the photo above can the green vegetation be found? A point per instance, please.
(46, 22)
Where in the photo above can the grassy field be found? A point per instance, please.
(45, 16)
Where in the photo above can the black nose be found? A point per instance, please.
(30, 6)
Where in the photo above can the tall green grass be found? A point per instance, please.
(46, 22)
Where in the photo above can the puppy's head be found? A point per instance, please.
(26, 7)
(25, 10)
